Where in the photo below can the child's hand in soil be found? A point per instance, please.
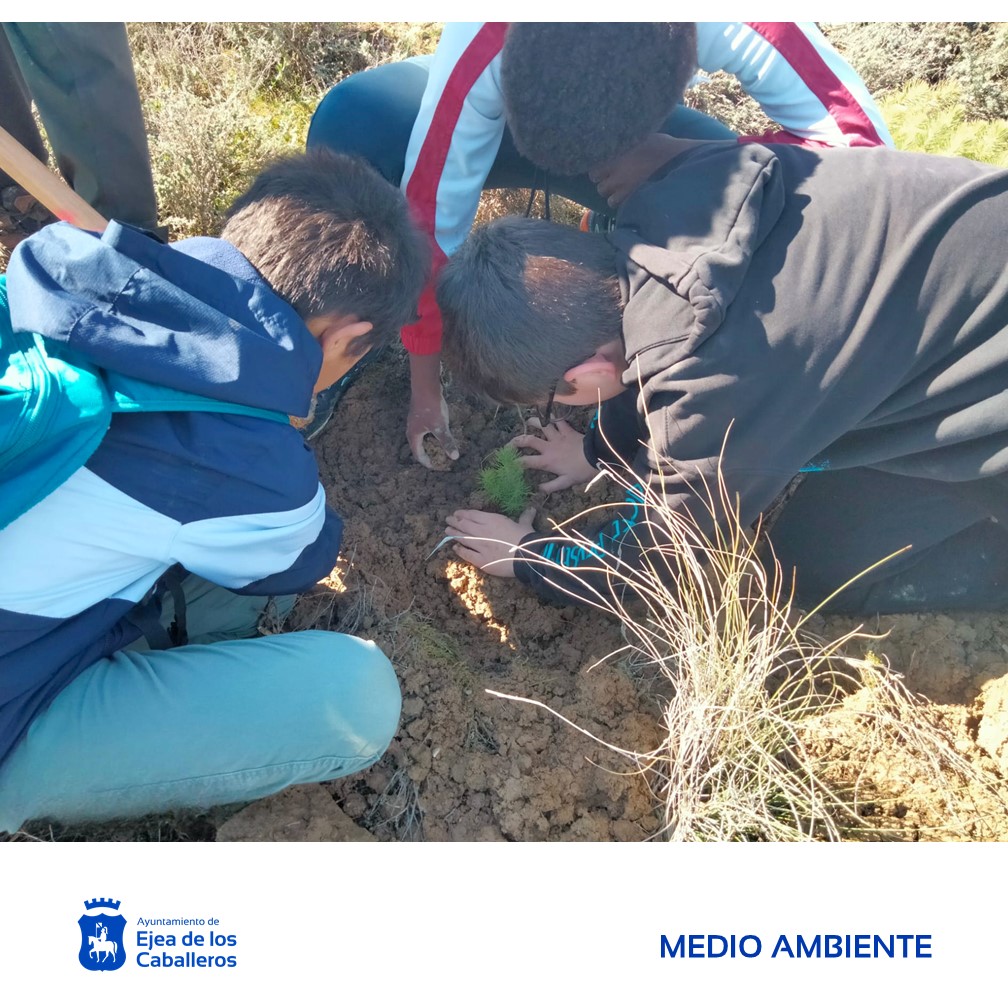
(487, 540)
(560, 450)
(428, 411)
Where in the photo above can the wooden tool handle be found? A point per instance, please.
(49, 189)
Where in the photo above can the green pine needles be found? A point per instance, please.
(502, 479)
(931, 118)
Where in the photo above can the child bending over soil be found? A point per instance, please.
(318, 262)
(844, 313)
(579, 109)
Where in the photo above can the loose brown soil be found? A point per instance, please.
(469, 766)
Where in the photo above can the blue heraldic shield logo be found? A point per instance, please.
(102, 929)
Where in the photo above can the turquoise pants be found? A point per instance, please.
(219, 720)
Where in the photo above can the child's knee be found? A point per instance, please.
(364, 689)
(385, 697)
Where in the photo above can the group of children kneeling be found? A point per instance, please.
(844, 312)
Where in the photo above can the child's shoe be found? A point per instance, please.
(325, 402)
(597, 222)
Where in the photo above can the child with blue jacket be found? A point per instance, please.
(317, 263)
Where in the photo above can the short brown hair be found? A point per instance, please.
(523, 301)
(329, 234)
(576, 95)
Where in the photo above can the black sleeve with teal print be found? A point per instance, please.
(578, 568)
(585, 566)
(614, 435)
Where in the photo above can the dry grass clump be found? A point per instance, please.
(221, 99)
(720, 96)
(398, 809)
(317, 54)
(496, 203)
(900, 757)
(179, 826)
(749, 693)
(197, 87)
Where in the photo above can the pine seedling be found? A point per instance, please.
(503, 480)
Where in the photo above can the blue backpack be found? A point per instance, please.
(55, 408)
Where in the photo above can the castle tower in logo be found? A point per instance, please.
(102, 928)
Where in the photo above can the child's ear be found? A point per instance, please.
(341, 333)
(336, 336)
(590, 371)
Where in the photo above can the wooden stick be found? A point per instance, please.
(49, 189)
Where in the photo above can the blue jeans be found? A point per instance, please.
(371, 114)
(209, 723)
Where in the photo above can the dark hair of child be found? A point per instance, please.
(524, 300)
(329, 234)
(578, 94)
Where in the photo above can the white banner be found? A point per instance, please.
(522, 924)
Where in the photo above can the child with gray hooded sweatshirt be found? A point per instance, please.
(845, 314)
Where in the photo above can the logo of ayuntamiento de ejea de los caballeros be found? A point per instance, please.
(102, 928)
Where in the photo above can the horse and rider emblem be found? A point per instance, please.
(102, 935)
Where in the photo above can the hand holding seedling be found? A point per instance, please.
(560, 450)
(487, 540)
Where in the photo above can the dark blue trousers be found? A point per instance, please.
(840, 523)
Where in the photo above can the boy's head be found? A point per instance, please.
(576, 95)
(336, 241)
(532, 308)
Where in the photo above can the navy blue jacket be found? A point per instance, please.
(233, 498)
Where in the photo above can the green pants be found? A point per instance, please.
(80, 75)
(213, 722)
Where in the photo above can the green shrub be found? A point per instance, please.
(982, 74)
(932, 119)
(221, 99)
(503, 480)
(889, 55)
(197, 85)
(315, 55)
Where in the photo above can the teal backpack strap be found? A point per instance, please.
(132, 395)
(54, 411)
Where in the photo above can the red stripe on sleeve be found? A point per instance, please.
(423, 184)
(424, 336)
(803, 57)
